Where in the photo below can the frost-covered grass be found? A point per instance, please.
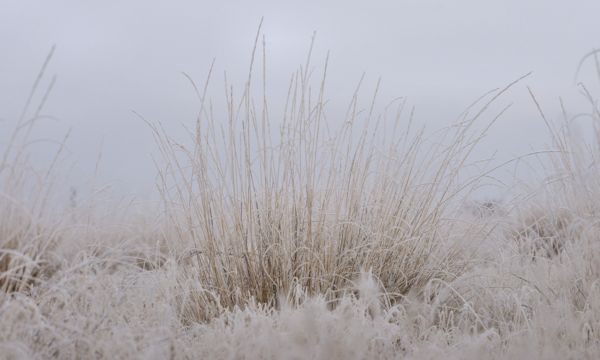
(296, 236)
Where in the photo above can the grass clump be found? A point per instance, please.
(267, 204)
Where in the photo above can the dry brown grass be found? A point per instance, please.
(266, 205)
(304, 237)
(27, 233)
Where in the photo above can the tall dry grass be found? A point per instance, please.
(28, 232)
(266, 204)
(305, 236)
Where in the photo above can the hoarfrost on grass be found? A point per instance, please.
(318, 243)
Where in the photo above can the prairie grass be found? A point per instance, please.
(305, 235)
(27, 234)
(314, 202)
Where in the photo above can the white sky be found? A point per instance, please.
(116, 56)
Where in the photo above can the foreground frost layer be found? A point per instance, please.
(543, 310)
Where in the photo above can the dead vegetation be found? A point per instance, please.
(307, 238)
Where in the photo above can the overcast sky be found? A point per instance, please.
(113, 57)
